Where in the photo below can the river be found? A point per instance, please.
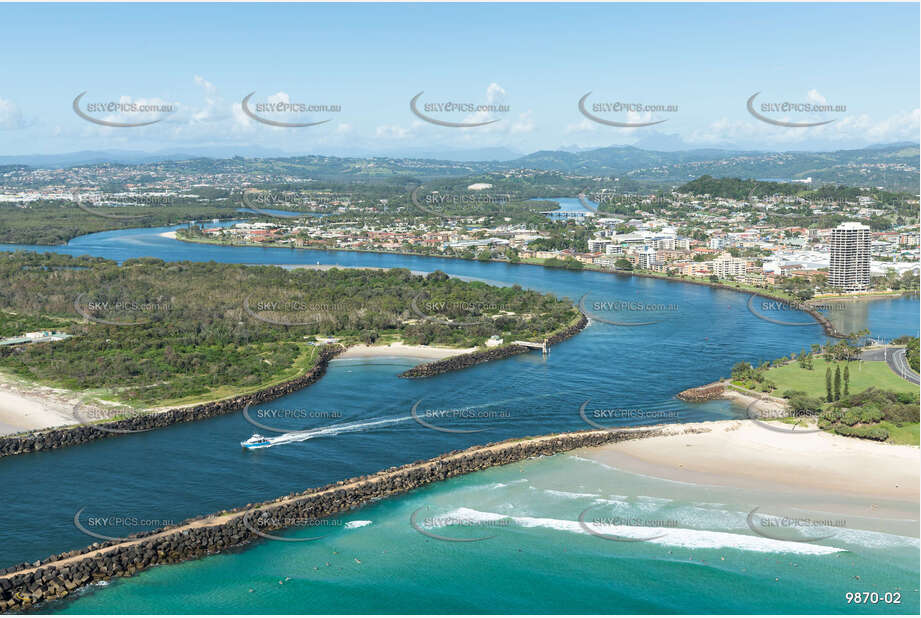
(697, 334)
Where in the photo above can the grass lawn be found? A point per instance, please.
(864, 374)
(908, 433)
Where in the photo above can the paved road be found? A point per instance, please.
(895, 358)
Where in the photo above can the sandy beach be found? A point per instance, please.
(402, 350)
(745, 454)
(23, 409)
(171, 234)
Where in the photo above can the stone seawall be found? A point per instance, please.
(462, 361)
(47, 439)
(708, 392)
(23, 586)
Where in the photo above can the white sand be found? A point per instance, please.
(24, 410)
(748, 455)
(171, 234)
(402, 350)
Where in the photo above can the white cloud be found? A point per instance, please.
(10, 115)
(495, 93)
(847, 129)
(816, 97)
(392, 131)
(524, 124)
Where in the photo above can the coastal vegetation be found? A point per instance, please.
(55, 222)
(148, 332)
(863, 399)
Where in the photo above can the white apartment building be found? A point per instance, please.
(726, 266)
(646, 258)
(598, 244)
(849, 260)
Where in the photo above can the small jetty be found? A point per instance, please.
(534, 345)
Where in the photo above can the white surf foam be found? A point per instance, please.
(673, 537)
(359, 523)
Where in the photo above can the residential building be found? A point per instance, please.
(849, 263)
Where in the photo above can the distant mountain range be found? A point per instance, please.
(894, 166)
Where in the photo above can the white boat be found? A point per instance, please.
(255, 441)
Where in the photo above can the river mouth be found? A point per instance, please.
(200, 467)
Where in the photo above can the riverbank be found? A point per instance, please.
(861, 296)
(59, 437)
(777, 295)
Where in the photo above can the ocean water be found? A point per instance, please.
(533, 556)
(665, 337)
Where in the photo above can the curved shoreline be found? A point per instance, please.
(24, 585)
(60, 437)
(463, 361)
(823, 321)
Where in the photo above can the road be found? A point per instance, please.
(895, 358)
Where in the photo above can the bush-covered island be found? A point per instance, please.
(149, 333)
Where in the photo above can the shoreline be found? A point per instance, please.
(24, 585)
(72, 435)
(30, 407)
(742, 454)
(702, 453)
(401, 350)
(823, 321)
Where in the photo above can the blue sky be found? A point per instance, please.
(536, 59)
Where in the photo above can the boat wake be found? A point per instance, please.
(331, 430)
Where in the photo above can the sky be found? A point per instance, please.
(698, 64)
